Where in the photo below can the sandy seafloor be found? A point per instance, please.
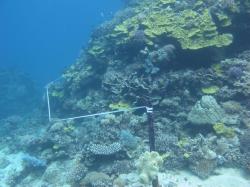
(223, 177)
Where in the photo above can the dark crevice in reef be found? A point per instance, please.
(241, 33)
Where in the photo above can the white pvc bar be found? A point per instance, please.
(48, 102)
(99, 114)
(89, 115)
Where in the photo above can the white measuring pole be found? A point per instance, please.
(85, 116)
(48, 101)
(101, 113)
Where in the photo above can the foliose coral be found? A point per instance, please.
(177, 25)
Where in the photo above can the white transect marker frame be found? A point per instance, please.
(89, 115)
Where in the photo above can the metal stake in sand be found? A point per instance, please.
(151, 137)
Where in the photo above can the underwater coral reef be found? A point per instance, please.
(189, 60)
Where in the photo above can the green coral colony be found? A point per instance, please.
(192, 28)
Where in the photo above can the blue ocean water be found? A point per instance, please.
(42, 38)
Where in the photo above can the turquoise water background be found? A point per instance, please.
(43, 37)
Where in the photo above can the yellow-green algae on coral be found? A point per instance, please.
(236, 6)
(187, 155)
(58, 94)
(210, 90)
(75, 76)
(119, 106)
(97, 48)
(69, 128)
(123, 32)
(223, 19)
(191, 29)
(247, 5)
(182, 142)
(217, 69)
(222, 129)
(167, 1)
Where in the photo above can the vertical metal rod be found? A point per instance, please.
(151, 136)
(151, 131)
(48, 101)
